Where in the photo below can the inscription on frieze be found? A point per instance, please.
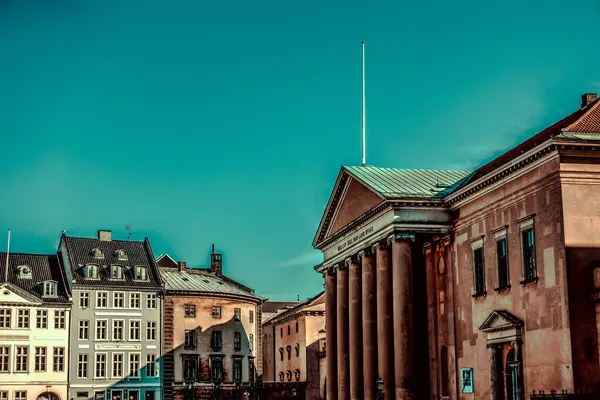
(359, 236)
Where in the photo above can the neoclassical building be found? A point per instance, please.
(468, 284)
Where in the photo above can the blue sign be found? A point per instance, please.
(466, 380)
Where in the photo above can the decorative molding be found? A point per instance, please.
(427, 247)
(401, 237)
(364, 253)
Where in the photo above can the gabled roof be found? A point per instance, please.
(318, 299)
(44, 267)
(165, 260)
(499, 320)
(270, 307)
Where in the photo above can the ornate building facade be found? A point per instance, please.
(482, 284)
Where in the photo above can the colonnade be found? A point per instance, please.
(369, 322)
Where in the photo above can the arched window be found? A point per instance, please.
(24, 271)
(297, 349)
(289, 351)
(289, 375)
(297, 375)
(97, 253)
(281, 353)
(121, 255)
(281, 376)
(444, 368)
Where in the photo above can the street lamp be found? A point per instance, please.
(294, 392)
(379, 385)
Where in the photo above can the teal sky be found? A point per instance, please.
(226, 122)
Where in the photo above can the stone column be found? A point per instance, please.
(343, 355)
(331, 334)
(355, 329)
(432, 318)
(517, 348)
(495, 371)
(403, 314)
(369, 324)
(385, 316)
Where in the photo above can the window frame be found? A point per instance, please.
(191, 335)
(57, 358)
(139, 300)
(17, 363)
(116, 268)
(121, 298)
(114, 364)
(96, 323)
(5, 318)
(237, 368)
(137, 275)
(476, 246)
(23, 318)
(251, 316)
(87, 269)
(152, 329)
(189, 311)
(527, 225)
(151, 301)
(215, 344)
(53, 285)
(216, 312)
(139, 330)
(96, 376)
(84, 299)
(237, 313)
(151, 363)
(122, 327)
(85, 330)
(501, 235)
(39, 360)
(237, 341)
(60, 318)
(83, 359)
(98, 298)
(5, 359)
(137, 374)
(41, 319)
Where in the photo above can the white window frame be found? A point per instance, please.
(153, 329)
(96, 330)
(151, 297)
(86, 271)
(44, 357)
(86, 297)
(53, 285)
(27, 359)
(79, 327)
(137, 370)
(105, 299)
(139, 321)
(113, 365)
(62, 317)
(8, 358)
(64, 358)
(86, 363)
(96, 365)
(139, 300)
(122, 330)
(115, 298)
(41, 315)
(154, 369)
(26, 317)
(141, 268)
(113, 268)
(6, 315)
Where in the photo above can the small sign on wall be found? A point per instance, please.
(466, 380)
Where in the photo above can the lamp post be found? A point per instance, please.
(294, 392)
(379, 385)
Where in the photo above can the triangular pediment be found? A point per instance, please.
(13, 294)
(500, 320)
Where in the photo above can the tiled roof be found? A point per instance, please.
(392, 183)
(201, 281)
(138, 254)
(589, 122)
(43, 268)
(290, 311)
(274, 306)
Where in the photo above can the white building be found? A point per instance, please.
(34, 328)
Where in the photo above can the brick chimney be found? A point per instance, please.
(216, 262)
(588, 98)
(104, 236)
(181, 265)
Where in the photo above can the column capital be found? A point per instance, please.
(364, 253)
(401, 237)
(427, 248)
(379, 245)
(350, 260)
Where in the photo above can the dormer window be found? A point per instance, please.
(24, 272)
(49, 289)
(97, 253)
(121, 255)
(116, 272)
(141, 273)
(90, 271)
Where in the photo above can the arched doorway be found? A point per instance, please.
(48, 396)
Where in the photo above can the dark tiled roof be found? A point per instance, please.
(138, 254)
(43, 268)
(274, 306)
(588, 122)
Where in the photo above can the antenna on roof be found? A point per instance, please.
(7, 255)
(298, 297)
(128, 227)
(364, 114)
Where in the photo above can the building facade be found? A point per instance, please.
(116, 324)
(35, 312)
(461, 285)
(294, 341)
(212, 332)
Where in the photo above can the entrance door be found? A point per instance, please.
(150, 395)
(47, 396)
(512, 373)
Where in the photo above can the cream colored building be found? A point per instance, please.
(34, 328)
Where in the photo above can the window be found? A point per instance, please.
(84, 330)
(296, 327)
(151, 330)
(58, 359)
(101, 329)
(251, 317)
(97, 253)
(297, 375)
(134, 330)
(141, 274)
(82, 366)
(251, 371)
(216, 312)
(216, 340)
(217, 369)
(237, 341)
(40, 359)
(297, 348)
(83, 395)
(237, 313)
(251, 342)
(134, 365)
(24, 272)
(281, 332)
(289, 351)
(3, 395)
(151, 365)
(190, 339)
(478, 271)
(121, 255)
(151, 301)
(118, 327)
(502, 261)
(281, 376)
(100, 371)
(288, 374)
(21, 358)
(134, 300)
(528, 241)
(189, 369)
(281, 353)
(119, 300)
(288, 330)
(50, 289)
(116, 272)
(41, 319)
(101, 299)
(117, 365)
(59, 319)
(5, 318)
(20, 394)
(23, 319)
(84, 299)
(189, 310)
(237, 369)
(445, 371)
(4, 358)
(90, 271)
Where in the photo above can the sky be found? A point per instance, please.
(202, 122)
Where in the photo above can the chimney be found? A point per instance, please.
(216, 262)
(588, 98)
(104, 236)
(181, 265)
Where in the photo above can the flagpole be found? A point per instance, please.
(364, 115)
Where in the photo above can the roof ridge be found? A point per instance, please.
(408, 169)
(586, 114)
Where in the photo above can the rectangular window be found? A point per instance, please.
(20, 394)
(189, 310)
(528, 241)
(3, 395)
(134, 365)
(251, 317)
(82, 366)
(40, 359)
(22, 319)
(151, 301)
(216, 312)
(151, 365)
(116, 272)
(479, 271)
(118, 327)
(141, 274)
(41, 319)
(100, 371)
(21, 358)
(189, 369)
(296, 327)
(251, 342)
(237, 369)
(84, 299)
(58, 359)
(151, 330)
(5, 314)
(281, 332)
(117, 365)
(101, 329)
(4, 358)
(134, 330)
(83, 395)
(289, 330)
(216, 340)
(190, 339)
(502, 261)
(237, 313)
(101, 299)
(84, 330)
(134, 300)
(251, 371)
(59, 319)
(237, 341)
(119, 300)
(217, 369)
